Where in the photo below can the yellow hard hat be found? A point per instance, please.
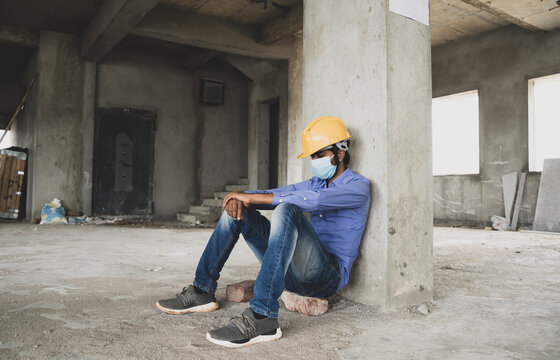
(320, 133)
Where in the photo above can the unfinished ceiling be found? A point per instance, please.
(455, 19)
(270, 20)
(70, 16)
(249, 12)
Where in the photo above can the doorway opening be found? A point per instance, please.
(123, 161)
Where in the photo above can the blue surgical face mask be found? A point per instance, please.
(322, 168)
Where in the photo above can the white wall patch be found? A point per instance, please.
(418, 10)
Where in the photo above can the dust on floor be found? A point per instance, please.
(88, 292)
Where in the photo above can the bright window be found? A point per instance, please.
(7, 141)
(455, 136)
(544, 120)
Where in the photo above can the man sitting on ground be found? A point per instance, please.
(311, 258)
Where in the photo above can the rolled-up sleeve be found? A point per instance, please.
(292, 188)
(282, 190)
(343, 196)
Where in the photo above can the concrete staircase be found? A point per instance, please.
(211, 209)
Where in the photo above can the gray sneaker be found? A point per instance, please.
(188, 301)
(245, 330)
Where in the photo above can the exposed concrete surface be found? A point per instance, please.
(58, 137)
(384, 97)
(171, 24)
(272, 86)
(71, 292)
(498, 64)
(547, 214)
(141, 80)
(296, 122)
(221, 138)
(88, 128)
(24, 128)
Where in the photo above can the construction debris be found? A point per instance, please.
(518, 197)
(241, 291)
(53, 213)
(309, 306)
(547, 213)
(12, 172)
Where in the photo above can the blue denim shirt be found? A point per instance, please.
(338, 213)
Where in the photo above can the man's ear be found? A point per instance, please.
(340, 155)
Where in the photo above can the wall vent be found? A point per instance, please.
(211, 92)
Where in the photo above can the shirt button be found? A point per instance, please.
(280, 200)
(304, 198)
(320, 215)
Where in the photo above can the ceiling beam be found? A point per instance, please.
(289, 24)
(208, 32)
(14, 35)
(198, 57)
(499, 13)
(254, 69)
(111, 24)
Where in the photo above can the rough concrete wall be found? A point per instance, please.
(499, 65)
(58, 149)
(274, 85)
(23, 130)
(144, 80)
(222, 130)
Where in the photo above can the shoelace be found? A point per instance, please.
(245, 324)
(185, 297)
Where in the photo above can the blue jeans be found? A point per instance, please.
(291, 256)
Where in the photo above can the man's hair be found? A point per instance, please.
(346, 159)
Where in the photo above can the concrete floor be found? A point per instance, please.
(88, 292)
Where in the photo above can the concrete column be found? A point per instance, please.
(88, 121)
(295, 109)
(371, 68)
(58, 137)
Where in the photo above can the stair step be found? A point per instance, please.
(237, 187)
(221, 194)
(212, 202)
(197, 209)
(243, 181)
(197, 218)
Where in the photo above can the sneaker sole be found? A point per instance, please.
(253, 341)
(213, 306)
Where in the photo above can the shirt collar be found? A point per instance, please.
(340, 178)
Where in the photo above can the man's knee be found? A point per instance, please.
(284, 210)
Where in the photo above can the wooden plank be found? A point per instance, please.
(6, 184)
(12, 181)
(2, 170)
(16, 194)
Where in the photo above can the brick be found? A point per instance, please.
(241, 291)
(305, 305)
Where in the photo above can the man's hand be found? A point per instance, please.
(235, 203)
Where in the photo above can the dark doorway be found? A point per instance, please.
(274, 142)
(123, 161)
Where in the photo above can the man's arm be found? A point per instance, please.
(342, 196)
